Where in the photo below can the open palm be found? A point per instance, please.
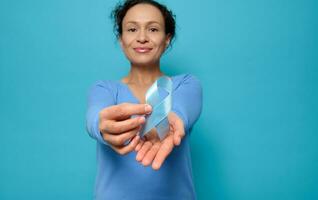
(154, 151)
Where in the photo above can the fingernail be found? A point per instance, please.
(137, 138)
(137, 148)
(179, 140)
(148, 108)
(141, 119)
(138, 157)
(145, 162)
(155, 166)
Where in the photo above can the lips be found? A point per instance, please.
(142, 49)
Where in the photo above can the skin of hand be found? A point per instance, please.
(117, 127)
(151, 150)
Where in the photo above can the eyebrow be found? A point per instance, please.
(150, 22)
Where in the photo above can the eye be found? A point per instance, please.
(153, 29)
(132, 30)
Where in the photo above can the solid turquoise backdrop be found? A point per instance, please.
(257, 61)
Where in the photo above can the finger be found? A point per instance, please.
(178, 131)
(128, 148)
(176, 140)
(150, 155)
(177, 136)
(165, 149)
(144, 149)
(118, 127)
(180, 128)
(126, 110)
(119, 140)
(139, 145)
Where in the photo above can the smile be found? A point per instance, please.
(142, 50)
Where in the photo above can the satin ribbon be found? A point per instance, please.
(160, 107)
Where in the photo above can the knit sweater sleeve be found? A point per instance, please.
(187, 100)
(100, 96)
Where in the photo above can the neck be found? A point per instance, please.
(143, 75)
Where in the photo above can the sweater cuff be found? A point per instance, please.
(97, 132)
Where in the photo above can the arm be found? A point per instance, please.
(112, 124)
(187, 100)
(99, 96)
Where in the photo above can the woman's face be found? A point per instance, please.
(143, 38)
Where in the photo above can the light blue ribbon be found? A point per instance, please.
(160, 108)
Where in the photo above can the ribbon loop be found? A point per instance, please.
(160, 108)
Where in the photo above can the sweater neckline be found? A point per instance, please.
(131, 92)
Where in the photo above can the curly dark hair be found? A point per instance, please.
(121, 9)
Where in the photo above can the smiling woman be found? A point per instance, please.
(143, 38)
(145, 29)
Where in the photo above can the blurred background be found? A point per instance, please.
(258, 65)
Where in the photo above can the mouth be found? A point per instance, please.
(142, 49)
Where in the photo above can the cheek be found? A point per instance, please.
(160, 41)
(162, 45)
(126, 41)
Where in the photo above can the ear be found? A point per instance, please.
(168, 40)
(120, 41)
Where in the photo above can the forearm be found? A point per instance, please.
(99, 97)
(187, 100)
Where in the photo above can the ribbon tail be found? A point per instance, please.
(163, 128)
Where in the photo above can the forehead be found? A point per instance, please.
(143, 13)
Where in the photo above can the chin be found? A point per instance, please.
(144, 62)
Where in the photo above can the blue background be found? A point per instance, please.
(257, 60)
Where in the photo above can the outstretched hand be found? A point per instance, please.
(117, 127)
(153, 151)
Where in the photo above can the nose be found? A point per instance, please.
(142, 37)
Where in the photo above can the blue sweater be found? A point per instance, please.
(122, 177)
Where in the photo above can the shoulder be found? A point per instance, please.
(106, 84)
(185, 79)
(110, 86)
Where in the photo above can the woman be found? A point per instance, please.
(145, 30)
